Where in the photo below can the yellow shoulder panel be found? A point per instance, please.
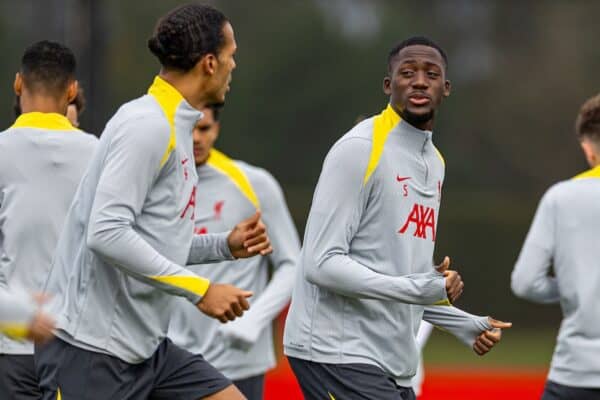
(168, 98)
(440, 156)
(50, 121)
(591, 173)
(226, 166)
(382, 125)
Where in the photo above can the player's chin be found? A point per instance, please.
(418, 111)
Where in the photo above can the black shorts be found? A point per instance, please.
(253, 387)
(556, 391)
(321, 381)
(18, 380)
(171, 373)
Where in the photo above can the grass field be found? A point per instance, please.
(515, 370)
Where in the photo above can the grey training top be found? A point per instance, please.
(228, 192)
(42, 159)
(129, 232)
(565, 234)
(365, 271)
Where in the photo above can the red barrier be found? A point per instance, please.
(440, 383)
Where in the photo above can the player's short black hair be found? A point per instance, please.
(79, 103)
(187, 33)
(413, 41)
(587, 124)
(48, 67)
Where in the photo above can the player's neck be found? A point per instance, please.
(190, 87)
(42, 104)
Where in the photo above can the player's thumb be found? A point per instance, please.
(443, 267)
(499, 324)
(253, 220)
(247, 293)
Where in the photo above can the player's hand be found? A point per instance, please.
(454, 283)
(224, 302)
(488, 339)
(249, 238)
(40, 328)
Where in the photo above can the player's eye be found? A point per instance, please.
(433, 74)
(407, 73)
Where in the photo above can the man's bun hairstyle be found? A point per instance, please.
(187, 33)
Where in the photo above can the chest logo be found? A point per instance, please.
(201, 231)
(219, 208)
(424, 218)
(402, 178)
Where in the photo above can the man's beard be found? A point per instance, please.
(417, 119)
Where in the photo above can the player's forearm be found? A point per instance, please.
(466, 327)
(341, 274)
(209, 248)
(125, 249)
(530, 279)
(16, 312)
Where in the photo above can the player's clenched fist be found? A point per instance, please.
(454, 283)
(488, 339)
(41, 328)
(249, 238)
(224, 302)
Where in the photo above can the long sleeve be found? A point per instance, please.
(286, 249)
(466, 327)
(338, 204)
(16, 311)
(209, 248)
(130, 169)
(530, 278)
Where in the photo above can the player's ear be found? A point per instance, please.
(447, 88)
(218, 130)
(18, 84)
(208, 64)
(72, 91)
(387, 86)
(588, 150)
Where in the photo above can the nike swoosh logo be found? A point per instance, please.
(330, 396)
(184, 161)
(402, 178)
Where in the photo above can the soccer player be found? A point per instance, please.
(564, 235)
(120, 259)
(229, 191)
(365, 277)
(42, 159)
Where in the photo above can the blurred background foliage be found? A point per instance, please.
(307, 70)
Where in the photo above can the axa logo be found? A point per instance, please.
(423, 218)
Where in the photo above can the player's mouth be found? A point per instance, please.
(197, 152)
(419, 99)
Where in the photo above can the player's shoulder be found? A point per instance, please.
(141, 118)
(561, 192)
(258, 176)
(354, 145)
